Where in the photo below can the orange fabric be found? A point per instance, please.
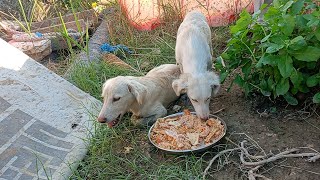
(147, 14)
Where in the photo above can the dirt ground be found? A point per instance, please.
(276, 131)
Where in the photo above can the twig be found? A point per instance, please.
(285, 154)
(205, 172)
(255, 142)
(252, 175)
(216, 112)
(312, 124)
(314, 158)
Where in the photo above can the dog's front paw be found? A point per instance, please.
(149, 121)
(143, 122)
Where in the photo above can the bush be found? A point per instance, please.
(279, 56)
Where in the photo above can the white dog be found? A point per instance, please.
(193, 55)
(146, 97)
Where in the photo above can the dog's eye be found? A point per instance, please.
(194, 100)
(116, 99)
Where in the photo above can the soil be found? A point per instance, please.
(274, 126)
(274, 130)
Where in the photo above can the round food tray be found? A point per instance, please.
(199, 149)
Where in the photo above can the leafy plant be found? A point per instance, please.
(279, 55)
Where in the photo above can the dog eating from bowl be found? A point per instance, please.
(146, 97)
(194, 57)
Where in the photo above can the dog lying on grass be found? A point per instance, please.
(193, 55)
(146, 97)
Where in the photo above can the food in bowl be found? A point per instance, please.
(185, 132)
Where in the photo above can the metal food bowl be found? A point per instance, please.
(199, 149)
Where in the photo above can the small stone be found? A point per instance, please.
(176, 108)
(271, 134)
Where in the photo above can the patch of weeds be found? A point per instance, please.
(90, 78)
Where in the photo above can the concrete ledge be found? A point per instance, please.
(43, 119)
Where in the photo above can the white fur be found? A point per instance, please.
(193, 55)
(146, 97)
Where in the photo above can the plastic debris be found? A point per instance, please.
(110, 49)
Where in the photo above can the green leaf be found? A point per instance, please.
(225, 56)
(276, 3)
(296, 7)
(296, 78)
(264, 88)
(279, 39)
(246, 69)
(297, 43)
(274, 48)
(242, 23)
(301, 22)
(307, 54)
(271, 13)
(290, 99)
(285, 66)
(313, 21)
(264, 60)
(238, 80)
(286, 6)
(303, 88)
(223, 76)
(265, 93)
(294, 90)
(271, 83)
(265, 38)
(313, 80)
(316, 98)
(282, 87)
(317, 33)
(287, 24)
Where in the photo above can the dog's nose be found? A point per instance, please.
(102, 119)
(204, 118)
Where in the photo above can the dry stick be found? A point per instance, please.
(255, 142)
(258, 164)
(216, 112)
(314, 158)
(205, 172)
(245, 151)
(285, 154)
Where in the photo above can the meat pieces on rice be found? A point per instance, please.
(185, 132)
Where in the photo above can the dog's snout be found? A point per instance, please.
(204, 118)
(102, 119)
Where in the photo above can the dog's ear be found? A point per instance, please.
(180, 86)
(138, 90)
(214, 82)
(104, 91)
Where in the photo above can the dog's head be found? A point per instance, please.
(199, 89)
(119, 94)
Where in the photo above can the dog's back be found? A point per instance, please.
(165, 70)
(163, 76)
(194, 46)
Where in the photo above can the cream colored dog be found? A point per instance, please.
(146, 97)
(193, 55)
